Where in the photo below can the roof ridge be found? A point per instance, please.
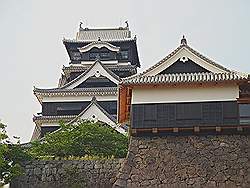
(186, 77)
(75, 89)
(105, 40)
(206, 58)
(104, 28)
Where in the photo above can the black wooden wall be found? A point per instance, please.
(74, 108)
(184, 67)
(184, 114)
(93, 82)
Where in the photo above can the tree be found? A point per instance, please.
(81, 139)
(11, 156)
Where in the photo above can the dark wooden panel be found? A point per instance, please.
(184, 114)
(183, 67)
(109, 106)
(63, 108)
(47, 129)
(93, 82)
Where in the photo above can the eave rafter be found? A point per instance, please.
(57, 92)
(39, 120)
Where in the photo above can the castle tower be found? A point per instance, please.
(87, 89)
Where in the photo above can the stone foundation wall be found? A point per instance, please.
(64, 173)
(187, 161)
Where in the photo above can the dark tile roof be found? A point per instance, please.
(38, 119)
(184, 78)
(103, 34)
(112, 67)
(76, 91)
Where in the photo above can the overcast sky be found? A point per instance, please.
(32, 52)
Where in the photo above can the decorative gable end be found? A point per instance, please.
(175, 63)
(94, 112)
(99, 44)
(96, 70)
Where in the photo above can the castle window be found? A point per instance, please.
(94, 55)
(124, 54)
(104, 55)
(244, 112)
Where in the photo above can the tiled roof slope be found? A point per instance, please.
(184, 78)
(75, 91)
(104, 34)
(112, 67)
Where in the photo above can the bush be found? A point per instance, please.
(11, 156)
(85, 138)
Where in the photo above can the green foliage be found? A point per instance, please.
(85, 138)
(11, 155)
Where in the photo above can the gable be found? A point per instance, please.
(187, 66)
(94, 112)
(185, 53)
(96, 70)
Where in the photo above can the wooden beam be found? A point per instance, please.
(218, 129)
(154, 130)
(175, 130)
(239, 128)
(133, 131)
(196, 129)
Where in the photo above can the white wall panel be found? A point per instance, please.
(172, 95)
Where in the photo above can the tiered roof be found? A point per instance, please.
(69, 89)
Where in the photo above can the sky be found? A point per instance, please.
(32, 52)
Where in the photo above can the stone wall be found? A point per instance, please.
(66, 173)
(187, 161)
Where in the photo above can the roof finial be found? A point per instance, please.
(126, 22)
(80, 25)
(183, 40)
(93, 99)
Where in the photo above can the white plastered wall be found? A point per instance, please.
(194, 94)
(49, 124)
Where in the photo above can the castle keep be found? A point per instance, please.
(87, 89)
